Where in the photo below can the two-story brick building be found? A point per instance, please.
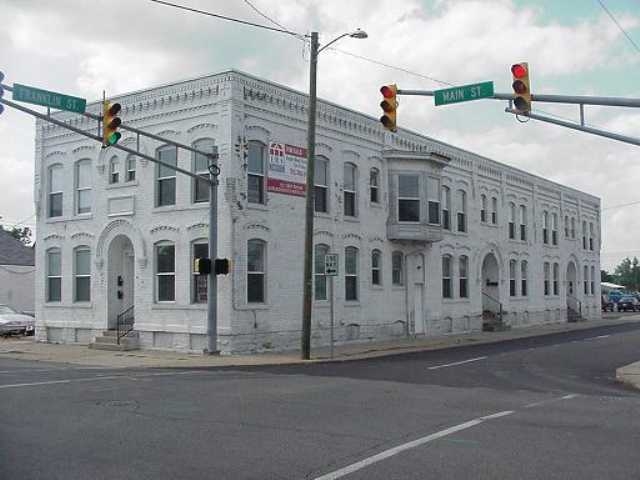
(431, 238)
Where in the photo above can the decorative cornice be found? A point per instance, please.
(79, 235)
(326, 233)
(168, 131)
(197, 226)
(53, 236)
(257, 226)
(82, 148)
(376, 238)
(54, 153)
(351, 235)
(202, 126)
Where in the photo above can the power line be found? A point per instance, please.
(622, 205)
(266, 17)
(223, 17)
(618, 24)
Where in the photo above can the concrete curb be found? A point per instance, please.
(629, 375)
(80, 355)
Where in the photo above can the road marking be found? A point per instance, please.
(436, 367)
(409, 445)
(596, 338)
(552, 400)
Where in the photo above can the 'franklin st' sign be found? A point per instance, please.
(24, 93)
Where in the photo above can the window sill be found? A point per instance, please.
(377, 287)
(398, 288)
(351, 303)
(326, 215)
(454, 301)
(174, 306)
(85, 305)
(490, 225)
(351, 219)
(376, 205)
(115, 186)
(321, 304)
(253, 306)
(85, 216)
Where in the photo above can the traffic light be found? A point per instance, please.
(222, 266)
(521, 87)
(110, 123)
(389, 105)
(202, 266)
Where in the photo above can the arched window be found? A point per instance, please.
(586, 280)
(591, 236)
(199, 283)
(462, 210)
(547, 279)
(512, 278)
(593, 285)
(351, 273)
(483, 208)
(573, 227)
(464, 276)
(374, 185)
(446, 277)
(166, 176)
(494, 210)
(350, 191)
(512, 220)
(165, 270)
(114, 170)
(131, 168)
(256, 270)
(584, 235)
(200, 166)
(321, 181)
(257, 152)
(446, 208)
(54, 275)
(523, 278)
(556, 279)
(376, 267)
(83, 187)
(55, 189)
(566, 226)
(523, 223)
(545, 227)
(397, 268)
(319, 272)
(82, 274)
(554, 228)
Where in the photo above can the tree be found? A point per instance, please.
(607, 277)
(628, 273)
(23, 234)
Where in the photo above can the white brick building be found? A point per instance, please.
(430, 237)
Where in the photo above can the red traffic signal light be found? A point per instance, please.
(521, 87)
(389, 105)
(110, 123)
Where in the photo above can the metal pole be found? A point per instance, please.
(308, 232)
(212, 284)
(331, 312)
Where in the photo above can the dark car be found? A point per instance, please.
(628, 303)
(607, 304)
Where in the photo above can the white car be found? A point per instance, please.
(14, 322)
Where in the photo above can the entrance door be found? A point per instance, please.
(121, 278)
(417, 279)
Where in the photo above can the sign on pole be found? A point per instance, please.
(463, 93)
(331, 264)
(287, 169)
(24, 93)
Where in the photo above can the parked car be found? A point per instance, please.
(14, 322)
(607, 304)
(628, 303)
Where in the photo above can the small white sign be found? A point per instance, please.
(331, 264)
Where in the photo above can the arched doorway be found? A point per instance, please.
(573, 304)
(120, 279)
(491, 306)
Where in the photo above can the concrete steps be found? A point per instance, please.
(493, 323)
(109, 341)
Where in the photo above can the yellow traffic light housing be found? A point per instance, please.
(521, 87)
(110, 123)
(389, 105)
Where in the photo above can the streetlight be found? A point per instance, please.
(311, 153)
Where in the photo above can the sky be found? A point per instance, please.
(573, 47)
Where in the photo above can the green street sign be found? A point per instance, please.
(24, 93)
(463, 93)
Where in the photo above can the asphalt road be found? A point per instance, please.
(538, 408)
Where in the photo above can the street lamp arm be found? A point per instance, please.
(334, 41)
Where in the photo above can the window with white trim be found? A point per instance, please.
(591, 236)
(523, 223)
(547, 278)
(545, 227)
(446, 277)
(566, 226)
(463, 279)
(446, 208)
(165, 270)
(321, 187)
(586, 280)
(83, 187)
(593, 281)
(433, 200)
(554, 229)
(56, 178)
(512, 278)
(82, 274)
(351, 274)
(584, 235)
(199, 283)
(408, 198)
(200, 166)
(166, 176)
(54, 275)
(483, 208)
(397, 269)
(319, 273)
(114, 170)
(523, 278)
(461, 197)
(556, 279)
(256, 271)
(512, 220)
(376, 267)
(349, 191)
(494, 210)
(131, 168)
(257, 152)
(374, 185)
(573, 227)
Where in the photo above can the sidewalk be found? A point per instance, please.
(28, 349)
(629, 374)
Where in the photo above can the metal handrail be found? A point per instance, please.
(577, 303)
(500, 311)
(124, 323)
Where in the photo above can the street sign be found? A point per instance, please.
(331, 264)
(24, 93)
(463, 93)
